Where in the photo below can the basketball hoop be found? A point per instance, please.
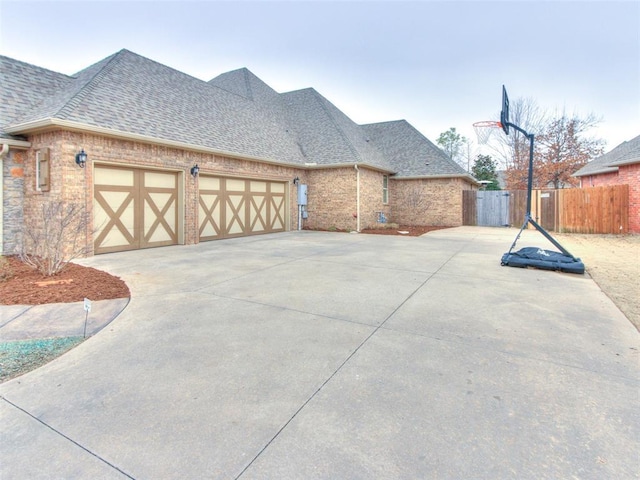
(484, 130)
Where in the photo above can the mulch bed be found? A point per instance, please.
(26, 286)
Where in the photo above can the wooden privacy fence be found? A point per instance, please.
(576, 210)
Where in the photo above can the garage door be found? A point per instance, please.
(233, 207)
(134, 208)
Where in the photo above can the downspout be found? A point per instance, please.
(3, 153)
(357, 197)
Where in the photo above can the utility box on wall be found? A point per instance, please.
(302, 194)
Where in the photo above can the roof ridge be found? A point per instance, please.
(350, 144)
(13, 60)
(90, 84)
(247, 83)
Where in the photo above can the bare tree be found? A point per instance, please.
(562, 148)
(512, 151)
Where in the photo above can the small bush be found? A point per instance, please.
(58, 239)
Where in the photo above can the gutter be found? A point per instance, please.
(357, 197)
(442, 175)
(52, 123)
(3, 153)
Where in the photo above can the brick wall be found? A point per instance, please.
(600, 180)
(431, 202)
(630, 174)
(70, 183)
(371, 200)
(332, 199)
(12, 200)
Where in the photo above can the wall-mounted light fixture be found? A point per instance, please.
(81, 158)
(296, 181)
(195, 170)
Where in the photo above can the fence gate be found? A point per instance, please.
(493, 208)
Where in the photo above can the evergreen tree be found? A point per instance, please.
(484, 169)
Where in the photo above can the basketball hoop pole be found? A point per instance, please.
(527, 216)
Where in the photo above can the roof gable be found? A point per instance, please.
(26, 86)
(410, 152)
(326, 135)
(235, 113)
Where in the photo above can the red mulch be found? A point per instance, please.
(73, 284)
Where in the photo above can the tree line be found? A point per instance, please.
(562, 145)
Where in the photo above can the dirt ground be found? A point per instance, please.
(613, 261)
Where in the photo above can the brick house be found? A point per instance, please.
(620, 166)
(144, 126)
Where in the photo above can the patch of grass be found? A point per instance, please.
(22, 356)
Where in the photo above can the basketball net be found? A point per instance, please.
(484, 130)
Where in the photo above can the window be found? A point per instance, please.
(42, 170)
(385, 189)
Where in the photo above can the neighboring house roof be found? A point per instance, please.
(235, 113)
(624, 154)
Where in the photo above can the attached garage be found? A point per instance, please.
(134, 208)
(234, 207)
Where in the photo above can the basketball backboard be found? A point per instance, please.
(504, 113)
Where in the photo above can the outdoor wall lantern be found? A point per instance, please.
(296, 181)
(195, 170)
(81, 158)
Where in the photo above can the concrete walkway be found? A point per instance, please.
(24, 322)
(335, 356)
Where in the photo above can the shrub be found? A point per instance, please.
(58, 239)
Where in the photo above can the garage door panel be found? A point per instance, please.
(258, 213)
(209, 215)
(134, 208)
(277, 213)
(160, 219)
(235, 214)
(113, 177)
(232, 207)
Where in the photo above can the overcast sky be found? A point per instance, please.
(437, 64)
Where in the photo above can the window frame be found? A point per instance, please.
(385, 189)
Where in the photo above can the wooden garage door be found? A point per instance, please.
(134, 208)
(233, 207)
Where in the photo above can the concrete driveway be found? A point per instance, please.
(337, 356)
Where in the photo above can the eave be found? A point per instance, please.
(464, 176)
(49, 124)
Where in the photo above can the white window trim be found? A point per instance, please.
(385, 189)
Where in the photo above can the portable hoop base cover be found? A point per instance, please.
(543, 259)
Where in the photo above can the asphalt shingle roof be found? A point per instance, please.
(24, 87)
(235, 112)
(410, 152)
(625, 153)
